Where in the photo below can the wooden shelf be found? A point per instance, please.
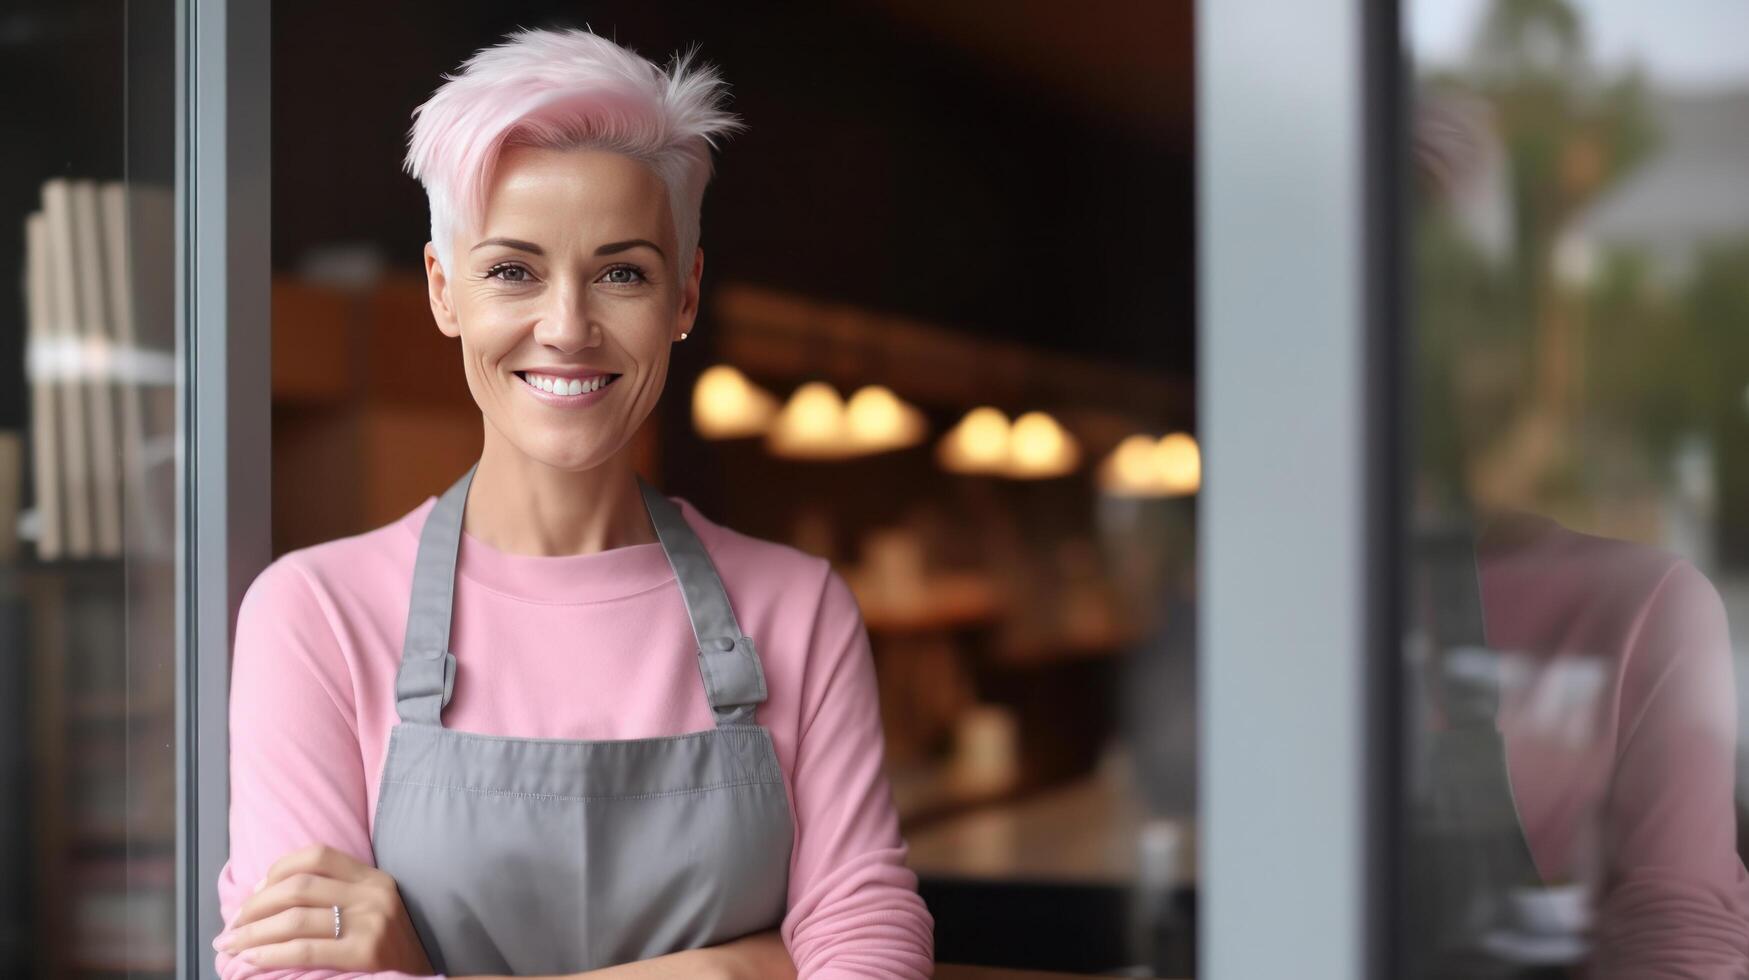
(929, 792)
(946, 601)
(86, 711)
(1086, 831)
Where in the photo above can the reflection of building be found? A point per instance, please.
(1693, 190)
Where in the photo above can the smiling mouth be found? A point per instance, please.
(566, 386)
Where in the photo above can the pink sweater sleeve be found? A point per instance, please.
(1678, 901)
(297, 776)
(854, 908)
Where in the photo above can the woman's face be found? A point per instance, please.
(572, 283)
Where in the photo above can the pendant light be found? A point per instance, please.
(876, 420)
(1178, 461)
(725, 405)
(811, 425)
(978, 443)
(1039, 448)
(1143, 467)
(1130, 470)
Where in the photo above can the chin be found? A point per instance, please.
(569, 457)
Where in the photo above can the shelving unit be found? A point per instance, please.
(100, 792)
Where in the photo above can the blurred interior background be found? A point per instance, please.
(948, 341)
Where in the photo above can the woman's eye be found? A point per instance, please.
(631, 270)
(508, 272)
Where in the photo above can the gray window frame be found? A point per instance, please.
(223, 193)
(1300, 141)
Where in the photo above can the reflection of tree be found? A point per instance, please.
(1714, 371)
(1506, 366)
(1668, 361)
(1569, 134)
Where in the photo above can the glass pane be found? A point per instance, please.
(88, 460)
(1579, 533)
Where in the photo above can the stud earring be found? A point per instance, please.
(683, 336)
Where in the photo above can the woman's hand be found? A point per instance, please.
(289, 921)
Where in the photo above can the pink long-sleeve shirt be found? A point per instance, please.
(593, 646)
(1619, 715)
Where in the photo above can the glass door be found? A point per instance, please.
(1475, 392)
(1575, 215)
(127, 320)
(90, 463)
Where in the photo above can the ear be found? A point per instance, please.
(689, 292)
(437, 288)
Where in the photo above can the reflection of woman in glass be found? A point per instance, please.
(553, 720)
(1583, 700)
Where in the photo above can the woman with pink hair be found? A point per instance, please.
(553, 721)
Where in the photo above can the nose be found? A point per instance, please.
(568, 325)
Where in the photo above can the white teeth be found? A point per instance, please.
(566, 386)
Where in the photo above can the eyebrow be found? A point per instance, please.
(610, 248)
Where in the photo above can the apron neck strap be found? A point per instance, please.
(427, 676)
(734, 681)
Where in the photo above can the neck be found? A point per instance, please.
(522, 506)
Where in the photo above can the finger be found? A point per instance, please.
(330, 953)
(283, 926)
(303, 888)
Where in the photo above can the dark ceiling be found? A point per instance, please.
(1004, 168)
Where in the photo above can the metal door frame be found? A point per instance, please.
(1300, 139)
(223, 193)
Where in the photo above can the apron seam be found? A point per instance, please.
(647, 739)
(480, 791)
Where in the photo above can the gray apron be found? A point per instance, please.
(1464, 845)
(526, 856)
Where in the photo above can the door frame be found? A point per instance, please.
(223, 310)
(1301, 353)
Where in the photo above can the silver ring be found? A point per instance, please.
(336, 922)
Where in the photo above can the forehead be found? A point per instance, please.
(586, 193)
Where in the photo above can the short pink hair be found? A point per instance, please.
(566, 89)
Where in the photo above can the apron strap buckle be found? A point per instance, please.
(423, 686)
(733, 679)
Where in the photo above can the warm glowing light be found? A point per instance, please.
(1033, 447)
(977, 444)
(1038, 447)
(1142, 467)
(1178, 461)
(1130, 469)
(725, 405)
(878, 420)
(812, 424)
